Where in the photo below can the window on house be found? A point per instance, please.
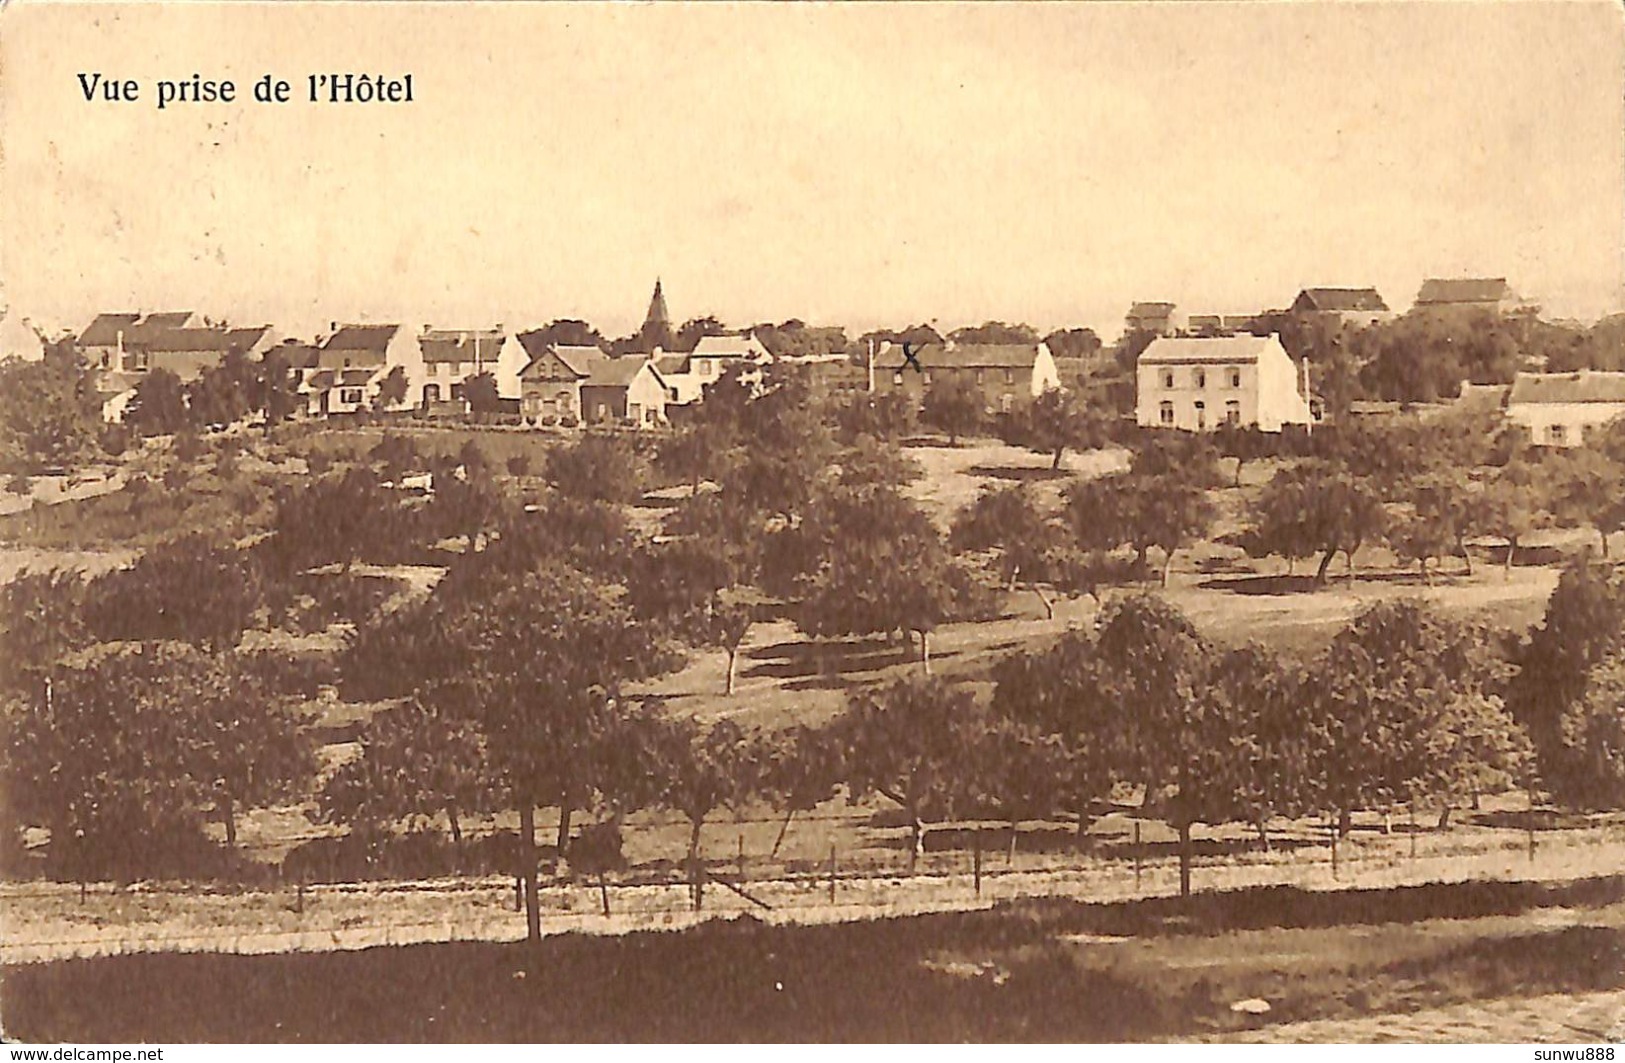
(1165, 413)
(1201, 415)
(926, 377)
(1232, 412)
(1235, 377)
(457, 391)
(978, 376)
(1200, 378)
(1168, 378)
(1009, 376)
(897, 379)
(673, 393)
(648, 417)
(1557, 434)
(350, 395)
(1007, 402)
(107, 360)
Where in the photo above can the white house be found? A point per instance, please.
(1200, 383)
(379, 348)
(452, 357)
(688, 375)
(1559, 409)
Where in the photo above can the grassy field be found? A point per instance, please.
(1045, 970)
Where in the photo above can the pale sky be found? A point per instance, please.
(857, 165)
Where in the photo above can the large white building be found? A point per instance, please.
(1558, 409)
(1198, 384)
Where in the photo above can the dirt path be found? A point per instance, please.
(1553, 1019)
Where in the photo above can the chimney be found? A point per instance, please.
(332, 326)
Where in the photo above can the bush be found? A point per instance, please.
(318, 462)
(18, 484)
(188, 446)
(115, 439)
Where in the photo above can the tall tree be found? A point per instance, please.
(1315, 508)
(911, 743)
(953, 405)
(1055, 422)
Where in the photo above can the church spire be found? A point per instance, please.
(656, 331)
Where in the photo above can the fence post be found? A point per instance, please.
(603, 892)
(740, 860)
(1334, 850)
(1136, 856)
(1412, 806)
(518, 891)
(976, 859)
(299, 895)
(832, 872)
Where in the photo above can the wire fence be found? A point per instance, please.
(50, 921)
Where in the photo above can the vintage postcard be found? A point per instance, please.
(611, 522)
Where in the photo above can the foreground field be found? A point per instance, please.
(1043, 970)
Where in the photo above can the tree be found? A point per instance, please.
(704, 770)
(1023, 772)
(1514, 503)
(49, 414)
(1315, 508)
(415, 764)
(565, 332)
(1583, 627)
(953, 405)
(1027, 542)
(393, 389)
(333, 519)
(1407, 708)
(685, 587)
(1592, 740)
(41, 619)
(797, 770)
(481, 394)
(994, 332)
(159, 405)
(874, 565)
(1072, 343)
(889, 415)
(118, 752)
(537, 665)
(185, 590)
(696, 453)
(596, 468)
(1141, 510)
(1244, 443)
(223, 393)
(1054, 422)
(911, 743)
(275, 388)
(1585, 491)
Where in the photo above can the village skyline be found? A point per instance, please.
(872, 167)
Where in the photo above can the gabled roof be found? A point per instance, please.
(1181, 350)
(572, 358)
(373, 338)
(599, 370)
(730, 347)
(103, 330)
(1463, 290)
(1358, 300)
(963, 356)
(196, 340)
(351, 378)
(459, 345)
(299, 355)
(321, 381)
(672, 364)
(1584, 386)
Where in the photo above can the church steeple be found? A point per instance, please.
(656, 330)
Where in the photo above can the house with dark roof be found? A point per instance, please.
(1004, 373)
(1468, 294)
(1162, 319)
(1562, 409)
(452, 357)
(562, 383)
(377, 349)
(1352, 306)
(1197, 384)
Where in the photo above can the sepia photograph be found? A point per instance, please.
(812, 523)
